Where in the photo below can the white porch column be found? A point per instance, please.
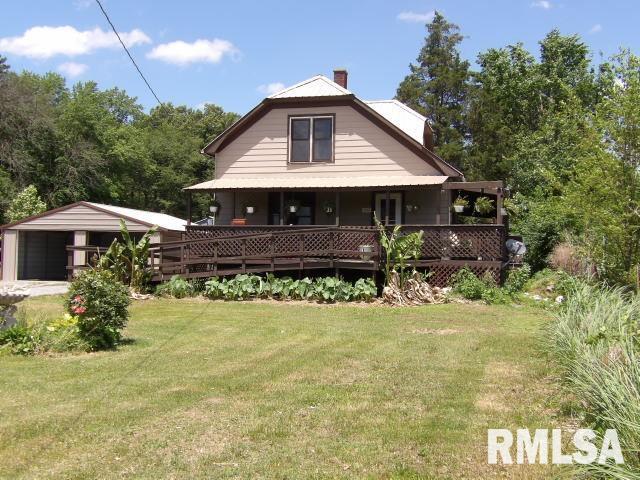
(10, 255)
(79, 258)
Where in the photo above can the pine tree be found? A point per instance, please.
(437, 87)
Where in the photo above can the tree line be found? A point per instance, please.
(561, 130)
(83, 143)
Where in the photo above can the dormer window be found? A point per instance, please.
(311, 139)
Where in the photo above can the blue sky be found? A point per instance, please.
(232, 52)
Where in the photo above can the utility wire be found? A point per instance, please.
(127, 50)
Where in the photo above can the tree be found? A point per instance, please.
(437, 87)
(25, 204)
(603, 197)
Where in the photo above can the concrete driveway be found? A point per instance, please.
(38, 288)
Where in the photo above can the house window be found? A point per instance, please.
(311, 139)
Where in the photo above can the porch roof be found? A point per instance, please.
(288, 183)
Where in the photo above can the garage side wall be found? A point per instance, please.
(9, 255)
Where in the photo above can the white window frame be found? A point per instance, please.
(311, 119)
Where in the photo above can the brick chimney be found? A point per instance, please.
(340, 77)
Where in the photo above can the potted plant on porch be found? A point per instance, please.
(459, 204)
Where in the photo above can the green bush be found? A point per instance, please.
(466, 284)
(517, 279)
(177, 287)
(19, 340)
(100, 302)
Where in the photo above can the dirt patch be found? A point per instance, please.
(436, 331)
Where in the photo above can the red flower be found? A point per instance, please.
(79, 310)
(77, 299)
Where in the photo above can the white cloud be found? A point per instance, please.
(271, 88)
(47, 42)
(82, 4)
(416, 17)
(72, 69)
(544, 4)
(183, 53)
(596, 28)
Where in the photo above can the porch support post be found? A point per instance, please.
(281, 208)
(439, 207)
(337, 208)
(189, 207)
(234, 205)
(499, 206)
(387, 206)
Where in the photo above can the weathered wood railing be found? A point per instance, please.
(285, 249)
(210, 251)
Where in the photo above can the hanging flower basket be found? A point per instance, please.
(328, 208)
(293, 206)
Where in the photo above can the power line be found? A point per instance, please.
(127, 50)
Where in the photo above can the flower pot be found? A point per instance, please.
(214, 208)
(251, 210)
(458, 208)
(293, 208)
(366, 252)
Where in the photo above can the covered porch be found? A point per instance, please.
(256, 230)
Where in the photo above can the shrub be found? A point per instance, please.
(100, 302)
(517, 279)
(567, 258)
(19, 340)
(177, 287)
(495, 296)
(467, 284)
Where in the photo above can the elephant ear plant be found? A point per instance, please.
(128, 260)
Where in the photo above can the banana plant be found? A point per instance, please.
(128, 260)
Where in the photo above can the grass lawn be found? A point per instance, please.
(261, 390)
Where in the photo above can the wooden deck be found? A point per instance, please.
(208, 251)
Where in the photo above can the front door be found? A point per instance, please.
(395, 207)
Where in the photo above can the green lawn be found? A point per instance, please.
(260, 390)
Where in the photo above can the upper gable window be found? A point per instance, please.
(311, 139)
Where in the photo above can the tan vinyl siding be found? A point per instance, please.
(9, 255)
(361, 148)
(79, 217)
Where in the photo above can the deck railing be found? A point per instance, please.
(226, 250)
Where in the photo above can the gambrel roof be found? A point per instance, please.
(398, 120)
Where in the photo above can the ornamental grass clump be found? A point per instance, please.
(99, 302)
(595, 340)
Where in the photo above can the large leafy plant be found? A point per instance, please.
(399, 249)
(128, 260)
(325, 289)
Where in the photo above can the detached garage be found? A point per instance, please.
(35, 248)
